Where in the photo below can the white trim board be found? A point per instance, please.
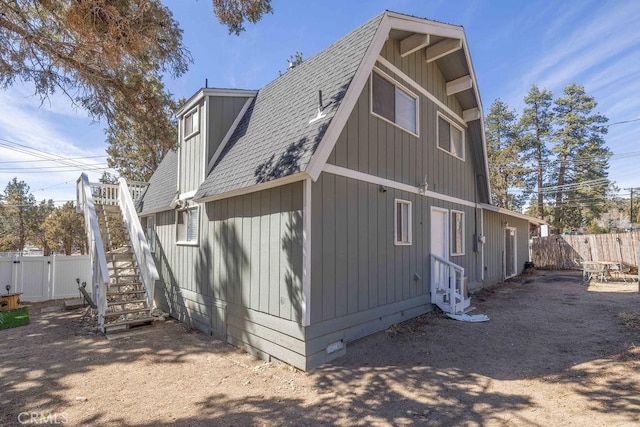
(196, 97)
(256, 187)
(372, 179)
(306, 253)
(398, 72)
(531, 219)
(340, 117)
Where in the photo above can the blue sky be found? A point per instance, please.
(513, 45)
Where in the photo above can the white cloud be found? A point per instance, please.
(588, 45)
(49, 129)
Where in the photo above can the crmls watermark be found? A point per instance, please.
(42, 418)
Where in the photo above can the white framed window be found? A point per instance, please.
(394, 103)
(457, 232)
(187, 225)
(450, 137)
(191, 123)
(403, 220)
(149, 226)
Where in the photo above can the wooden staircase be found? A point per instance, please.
(127, 303)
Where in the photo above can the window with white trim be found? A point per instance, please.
(187, 226)
(149, 226)
(191, 123)
(450, 137)
(394, 103)
(403, 221)
(457, 232)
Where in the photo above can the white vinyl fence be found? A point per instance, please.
(42, 278)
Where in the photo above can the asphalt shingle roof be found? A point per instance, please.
(162, 185)
(274, 139)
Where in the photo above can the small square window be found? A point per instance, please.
(191, 123)
(450, 137)
(457, 233)
(402, 222)
(393, 103)
(187, 226)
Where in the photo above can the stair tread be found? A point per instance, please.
(125, 284)
(129, 322)
(123, 302)
(142, 291)
(123, 312)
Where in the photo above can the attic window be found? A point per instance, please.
(392, 102)
(191, 123)
(450, 137)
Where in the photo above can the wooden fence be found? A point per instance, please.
(565, 252)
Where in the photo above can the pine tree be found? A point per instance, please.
(109, 58)
(37, 235)
(17, 215)
(536, 126)
(64, 229)
(581, 177)
(506, 166)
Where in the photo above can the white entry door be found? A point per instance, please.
(440, 232)
(510, 252)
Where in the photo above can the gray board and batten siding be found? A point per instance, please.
(494, 232)
(216, 115)
(373, 146)
(191, 153)
(244, 278)
(361, 281)
(223, 111)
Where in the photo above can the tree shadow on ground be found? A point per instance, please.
(422, 372)
(38, 360)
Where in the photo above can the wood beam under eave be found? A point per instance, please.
(458, 85)
(444, 48)
(471, 114)
(413, 44)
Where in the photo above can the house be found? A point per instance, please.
(349, 194)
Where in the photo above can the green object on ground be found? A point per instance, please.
(14, 318)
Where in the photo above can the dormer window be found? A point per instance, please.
(394, 103)
(191, 123)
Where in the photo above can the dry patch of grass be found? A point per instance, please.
(630, 320)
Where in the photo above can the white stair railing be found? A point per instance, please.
(139, 244)
(100, 272)
(448, 287)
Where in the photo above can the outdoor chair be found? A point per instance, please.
(591, 269)
(91, 305)
(620, 271)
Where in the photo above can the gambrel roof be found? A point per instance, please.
(277, 139)
(284, 136)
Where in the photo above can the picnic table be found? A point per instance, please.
(603, 270)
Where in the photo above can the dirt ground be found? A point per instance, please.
(555, 352)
